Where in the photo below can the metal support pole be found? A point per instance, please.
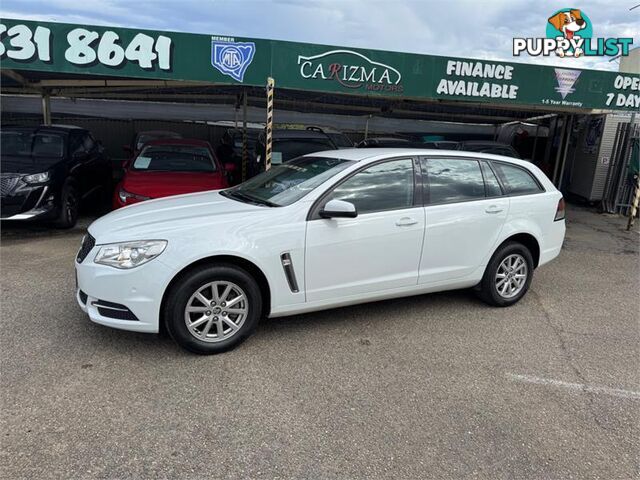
(245, 139)
(553, 123)
(535, 143)
(565, 150)
(46, 107)
(269, 140)
(366, 127)
(236, 110)
(556, 165)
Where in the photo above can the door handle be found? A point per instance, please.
(406, 222)
(493, 209)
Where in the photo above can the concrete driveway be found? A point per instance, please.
(437, 386)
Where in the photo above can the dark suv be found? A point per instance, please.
(48, 171)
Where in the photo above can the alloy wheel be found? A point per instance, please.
(216, 311)
(511, 275)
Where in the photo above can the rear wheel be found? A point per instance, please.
(69, 207)
(508, 275)
(213, 309)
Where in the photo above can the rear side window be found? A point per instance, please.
(490, 181)
(453, 180)
(516, 180)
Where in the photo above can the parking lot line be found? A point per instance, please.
(615, 392)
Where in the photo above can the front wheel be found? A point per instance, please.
(508, 275)
(69, 207)
(213, 309)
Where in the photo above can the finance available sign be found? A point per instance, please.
(478, 80)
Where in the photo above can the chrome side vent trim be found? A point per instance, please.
(287, 265)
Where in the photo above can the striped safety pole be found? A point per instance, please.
(245, 139)
(270, 87)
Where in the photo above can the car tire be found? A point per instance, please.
(69, 207)
(219, 330)
(502, 284)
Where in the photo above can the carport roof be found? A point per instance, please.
(113, 62)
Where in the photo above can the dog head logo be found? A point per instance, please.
(570, 27)
(568, 22)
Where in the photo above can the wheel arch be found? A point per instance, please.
(234, 260)
(529, 241)
(68, 181)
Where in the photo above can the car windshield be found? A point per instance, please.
(174, 158)
(145, 138)
(287, 183)
(31, 144)
(285, 150)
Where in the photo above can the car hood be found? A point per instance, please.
(164, 184)
(27, 165)
(158, 219)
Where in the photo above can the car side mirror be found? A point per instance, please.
(127, 149)
(230, 167)
(338, 209)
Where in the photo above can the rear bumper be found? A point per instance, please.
(552, 242)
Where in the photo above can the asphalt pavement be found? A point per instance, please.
(436, 386)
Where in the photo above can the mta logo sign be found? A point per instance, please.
(232, 58)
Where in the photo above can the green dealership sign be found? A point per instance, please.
(123, 52)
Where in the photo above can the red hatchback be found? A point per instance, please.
(170, 166)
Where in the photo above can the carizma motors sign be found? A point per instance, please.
(351, 70)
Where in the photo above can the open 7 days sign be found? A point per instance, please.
(131, 53)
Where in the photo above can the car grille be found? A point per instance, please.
(88, 242)
(8, 183)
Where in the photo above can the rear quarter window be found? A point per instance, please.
(516, 180)
(453, 180)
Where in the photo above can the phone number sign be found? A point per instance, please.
(84, 46)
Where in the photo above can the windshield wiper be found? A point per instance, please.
(249, 198)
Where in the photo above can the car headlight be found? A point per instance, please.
(129, 254)
(36, 178)
(124, 196)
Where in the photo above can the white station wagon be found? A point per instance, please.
(324, 230)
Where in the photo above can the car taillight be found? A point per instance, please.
(559, 211)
